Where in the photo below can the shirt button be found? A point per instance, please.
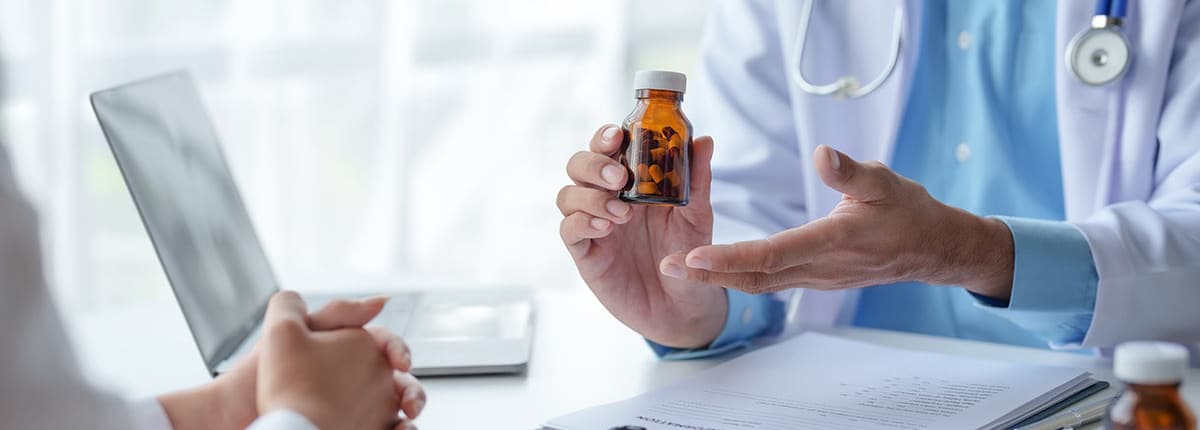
(964, 40)
(962, 152)
(746, 315)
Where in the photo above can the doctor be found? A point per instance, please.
(1041, 186)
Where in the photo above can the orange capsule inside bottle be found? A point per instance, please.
(658, 141)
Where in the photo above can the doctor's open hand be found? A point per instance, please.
(618, 246)
(886, 229)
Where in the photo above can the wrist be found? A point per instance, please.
(235, 402)
(699, 329)
(195, 408)
(976, 255)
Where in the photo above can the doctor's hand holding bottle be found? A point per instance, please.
(618, 247)
(655, 268)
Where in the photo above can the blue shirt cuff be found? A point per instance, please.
(1054, 281)
(749, 316)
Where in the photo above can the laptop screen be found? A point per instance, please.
(171, 158)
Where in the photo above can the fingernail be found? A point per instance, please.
(611, 174)
(696, 262)
(835, 161)
(600, 223)
(610, 133)
(674, 270)
(617, 208)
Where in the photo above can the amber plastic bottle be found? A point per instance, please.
(658, 141)
(1152, 373)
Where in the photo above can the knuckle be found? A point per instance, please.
(284, 296)
(761, 281)
(287, 330)
(577, 161)
(770, 259)
(744, 282)
(571, 226)
(400, 345)
(360, 339)
(561, 199)
(564, 228)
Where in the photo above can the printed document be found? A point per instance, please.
(817, 381)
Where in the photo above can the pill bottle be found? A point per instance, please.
(1152, 373)
(658, 141)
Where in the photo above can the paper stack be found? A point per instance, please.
(816, 381)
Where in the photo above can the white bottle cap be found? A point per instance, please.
(659, 80)
(1150, 362)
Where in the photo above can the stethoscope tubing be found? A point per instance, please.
(848, 86)
(1111, 8)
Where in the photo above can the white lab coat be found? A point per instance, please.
(41, 386)
(1130, 150)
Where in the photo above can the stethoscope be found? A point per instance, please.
(1096, 56)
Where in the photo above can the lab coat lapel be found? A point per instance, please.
(1086, 121)
(1108, 134)
(864, 128)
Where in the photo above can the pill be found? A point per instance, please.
(675, 142)
(673, 178)
(656, 173)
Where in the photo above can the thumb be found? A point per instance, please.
(860, 181)
(340, 314)
(284, 306)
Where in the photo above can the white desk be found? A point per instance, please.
(582, 357)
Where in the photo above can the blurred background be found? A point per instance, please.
(368, 136)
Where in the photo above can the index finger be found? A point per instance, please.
(607, 140)
(783, 250)
(285, 306)
(393, 346)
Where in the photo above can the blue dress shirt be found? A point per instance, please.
(980, 133)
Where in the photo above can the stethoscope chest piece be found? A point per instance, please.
(1098, 56)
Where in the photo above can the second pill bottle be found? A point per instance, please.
(658, 141)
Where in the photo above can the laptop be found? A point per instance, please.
(171, 158)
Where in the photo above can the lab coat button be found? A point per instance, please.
(962, 152)
(964, 40)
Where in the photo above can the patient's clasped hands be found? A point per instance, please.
(325, 366)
